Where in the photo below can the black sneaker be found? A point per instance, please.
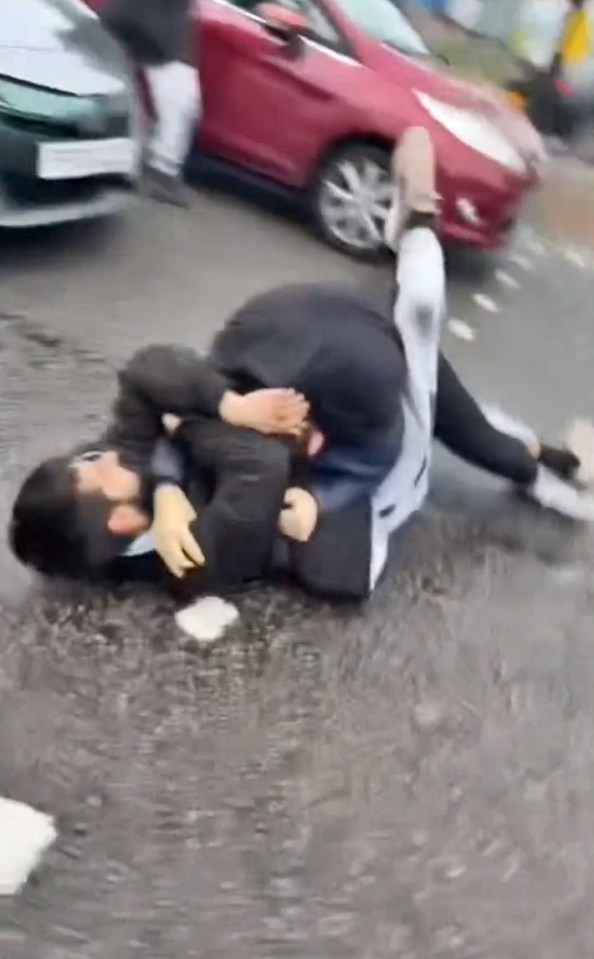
(562, 462)
(166, 189)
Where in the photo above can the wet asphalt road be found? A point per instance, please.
(413, 779)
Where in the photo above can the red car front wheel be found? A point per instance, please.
(350, 199)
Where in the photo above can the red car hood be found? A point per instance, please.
(489, 101)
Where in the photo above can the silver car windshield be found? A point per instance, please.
(383, 21)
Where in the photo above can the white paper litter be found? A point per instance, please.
(485, 303)
(25, 835)
(577, 259)
(206, 620)
(522, 261)
(461, 330)
(506, 280)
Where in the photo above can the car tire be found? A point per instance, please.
(353, 180)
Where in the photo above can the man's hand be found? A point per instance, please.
(174, 542)
(273, 412)
(299, 516)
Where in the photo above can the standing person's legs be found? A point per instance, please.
(175, 90)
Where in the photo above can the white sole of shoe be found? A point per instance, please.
(552, 493)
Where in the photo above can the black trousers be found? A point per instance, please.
(463, 428)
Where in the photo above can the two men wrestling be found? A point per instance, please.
(299, 445)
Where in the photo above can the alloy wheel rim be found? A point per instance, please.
(355, 200)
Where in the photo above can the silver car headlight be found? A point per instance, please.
(475, 131)
(26, 100)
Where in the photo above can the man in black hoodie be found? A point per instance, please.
(378, 390)
(159, 37)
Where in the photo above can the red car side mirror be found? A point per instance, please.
(282, 23)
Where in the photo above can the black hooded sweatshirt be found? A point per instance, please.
(337, 346)
(153, 32)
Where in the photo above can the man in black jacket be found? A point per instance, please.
(379, 391)
(77, 514)
(159, 36)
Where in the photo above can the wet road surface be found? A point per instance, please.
(413, 779)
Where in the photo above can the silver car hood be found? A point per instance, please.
(66, 72)
(59, 45)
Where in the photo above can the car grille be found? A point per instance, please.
(114, 125)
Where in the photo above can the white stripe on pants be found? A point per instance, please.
(175, 90)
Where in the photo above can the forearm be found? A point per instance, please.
(174, 379)
(163, 380)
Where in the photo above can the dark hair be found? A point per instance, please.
(58, 531)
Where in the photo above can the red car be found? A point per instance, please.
(313, 94)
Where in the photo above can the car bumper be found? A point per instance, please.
(104, 202)
(35, 193)
(481, 207)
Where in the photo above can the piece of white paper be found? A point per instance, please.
(25, 835)
(461, 330)
(486, 303)
(207, 619)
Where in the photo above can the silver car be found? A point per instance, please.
(70, 128)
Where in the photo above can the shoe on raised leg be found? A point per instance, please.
(413, 172)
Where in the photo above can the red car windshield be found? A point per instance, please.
(383, 21)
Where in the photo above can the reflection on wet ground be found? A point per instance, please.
(412, 779)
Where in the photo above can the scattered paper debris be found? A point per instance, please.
(25, 835)
(533, 242)
(486, 303)
(522, 261)
(207, 619)
(461, 330)
(580, 440)
(506, 280)
(576, 258)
